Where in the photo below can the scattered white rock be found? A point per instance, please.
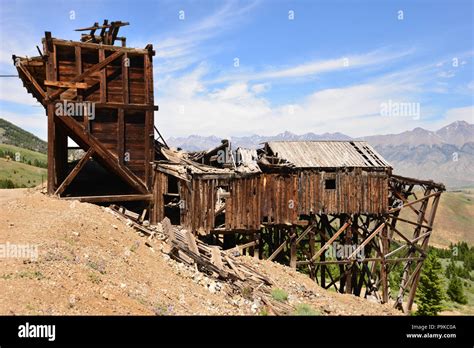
(72, 300)
(212, 288)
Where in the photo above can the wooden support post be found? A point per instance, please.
(256, 248)
(383, 265)
(121, 136)
(125, 79)
(414, 286)
(349, 239)
(149, 116)
(312, 250)
(324, 223)
(103, 78)
(293, 245)
(280, 247)
(51, 149)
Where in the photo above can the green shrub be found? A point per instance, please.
(304, 309)
(279, 295)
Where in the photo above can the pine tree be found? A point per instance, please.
(450, 269)
(430, 291)
(456, 291)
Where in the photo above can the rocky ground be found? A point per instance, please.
(89, 262)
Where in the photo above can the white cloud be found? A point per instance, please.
(238, 108)
(315, 67)
(12, 90)
(459, 114)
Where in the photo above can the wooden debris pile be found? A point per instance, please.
(181, 245)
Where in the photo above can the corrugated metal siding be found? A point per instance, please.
(328, 154)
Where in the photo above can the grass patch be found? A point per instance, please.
(94, 278)
(31, 275)
(20, 174)
(97, 266)
(279, 295)
(305, 309)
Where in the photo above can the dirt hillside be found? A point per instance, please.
(89, 262)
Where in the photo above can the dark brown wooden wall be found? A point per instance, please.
(277, 198)
(71, 60)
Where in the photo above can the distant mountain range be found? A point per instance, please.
(445, 155)
(197, 143)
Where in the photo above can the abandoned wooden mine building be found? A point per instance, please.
(293, 202)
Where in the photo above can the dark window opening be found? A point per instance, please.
(330, 184)
(172, 184)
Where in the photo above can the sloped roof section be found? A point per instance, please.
(328, 154)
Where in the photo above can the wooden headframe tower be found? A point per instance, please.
(101, 97)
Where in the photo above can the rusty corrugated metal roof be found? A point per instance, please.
(328, 154)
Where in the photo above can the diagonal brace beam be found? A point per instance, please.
(88, 72)
(74, 171)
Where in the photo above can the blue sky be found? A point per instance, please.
(250, 67)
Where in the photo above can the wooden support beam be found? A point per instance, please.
(367, 240)
(103, 78)
(87, 73)
(331, 240)
(121, 136)
(409, 242)
(51, 149)
(66, 84)
(77, 130)
(74, 171)
(365, 260)
(383, 266)
(32, 80)
(125, 79)
(305, 232)
(112, 198)
(129, 50)
(413, 202)
(277, 251)
(149, 116)
(408, 221)
(293, 254)
(110, 105)
(411, 294)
